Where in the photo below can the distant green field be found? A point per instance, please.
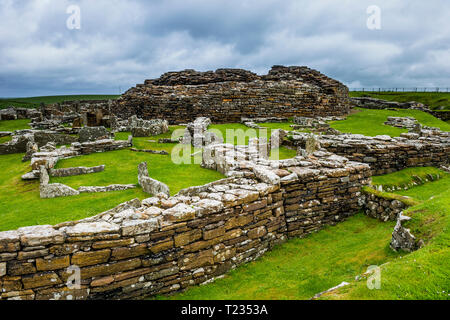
(34, 102)
(431, 99)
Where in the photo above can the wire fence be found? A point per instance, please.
(418, 89)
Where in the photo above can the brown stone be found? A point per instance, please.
(257, 232)
(161, 246)
(214, 233)
(129, 252)
(112, 243)
(187, 237)
(41, 280)
(16, 268)
(82, 259)
(52, 264)
(193, 261)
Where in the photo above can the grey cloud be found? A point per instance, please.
(121, 43)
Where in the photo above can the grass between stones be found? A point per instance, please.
(408, 177)
(432, 99)
(11, 125)
(370, 122)
(20, 204)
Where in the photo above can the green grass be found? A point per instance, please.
(407, 177)
(11, 125)
(391, 196)
(20, 204)
(370, 122)
(423, 274)
(5, 139)
(33, 102)
(432, 99)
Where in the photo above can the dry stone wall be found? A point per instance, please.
(387, 154)
(163, 245)
(227, 95)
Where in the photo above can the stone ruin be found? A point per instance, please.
(164, 244)
(197, 134)
(227, 95)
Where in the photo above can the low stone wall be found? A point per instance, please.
(382, 208)
(385, 154)
(75, 171)
(163, 245)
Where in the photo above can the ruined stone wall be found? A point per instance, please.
(387, 154)
(163, 245)
(227, 95)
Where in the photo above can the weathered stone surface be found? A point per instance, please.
(93, 133)
(227, 95)
(83, 259)
(181, 212)
(137, 227)
(40, 235)
(92, 228)
(52, 264)
(146, 128)
(41, 280)
(148, 184)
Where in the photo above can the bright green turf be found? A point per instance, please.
(370, 122)
(33, 102)
(404, 178)
(5, 139)
(423, 274)
(11, 125)
(432, 99)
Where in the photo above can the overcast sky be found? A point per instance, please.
(121, 43)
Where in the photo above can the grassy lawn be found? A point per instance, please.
(11, 125)
(300, 268)
(370, 122)
(432, 99)
(20, 204)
